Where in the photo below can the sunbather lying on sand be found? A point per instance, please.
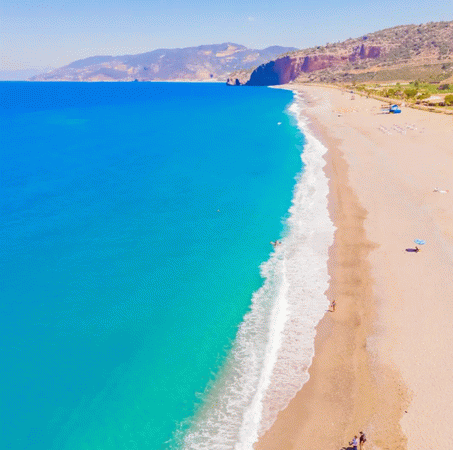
(441, 192)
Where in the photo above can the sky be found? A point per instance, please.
(40, 34)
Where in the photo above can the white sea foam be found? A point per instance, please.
(274, 346)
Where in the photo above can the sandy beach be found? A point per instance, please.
(383, 360)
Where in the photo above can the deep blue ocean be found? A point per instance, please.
(133, 221)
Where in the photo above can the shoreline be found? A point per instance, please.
(340, 355)
(359, 380)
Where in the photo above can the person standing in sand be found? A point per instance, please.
(362, 440)
(332, 306)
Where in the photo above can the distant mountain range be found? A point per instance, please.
(403, 53)
(204, 63)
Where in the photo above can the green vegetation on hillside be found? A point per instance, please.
(415, 92)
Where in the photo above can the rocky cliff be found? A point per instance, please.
(397, 53)
(204, 63)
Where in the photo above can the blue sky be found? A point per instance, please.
(54, 33)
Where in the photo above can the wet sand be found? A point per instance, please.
(383, 360)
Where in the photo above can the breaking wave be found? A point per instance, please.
(268, 363)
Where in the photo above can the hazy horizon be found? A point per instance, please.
(36, 35)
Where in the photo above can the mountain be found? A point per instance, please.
(207, 62)
(402, 53)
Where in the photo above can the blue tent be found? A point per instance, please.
(394, 109)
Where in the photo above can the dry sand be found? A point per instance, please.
(384, 359)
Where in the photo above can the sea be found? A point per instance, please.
(142, 303)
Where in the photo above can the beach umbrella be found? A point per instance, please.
(419, 241)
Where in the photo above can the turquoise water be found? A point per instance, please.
(134, 219)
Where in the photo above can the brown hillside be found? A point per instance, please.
(401, 53)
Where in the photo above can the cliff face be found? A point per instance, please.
(204, 63)
(397, 53)
(288, 68)
(280, 71)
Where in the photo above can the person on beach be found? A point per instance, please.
(416, 249)
(362, 440)
(354, 443)
(332, 306)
